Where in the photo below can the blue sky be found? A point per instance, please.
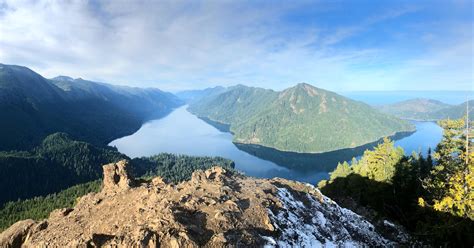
(174, 45)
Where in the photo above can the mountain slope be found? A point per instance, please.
(301, 119)
(31, 107)
(195, 95)
(425, 109)
(416, 109)
(56, 164)
(454, 112)
(215, 208)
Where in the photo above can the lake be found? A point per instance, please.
(181, 132)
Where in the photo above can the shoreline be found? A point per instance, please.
(224, 127)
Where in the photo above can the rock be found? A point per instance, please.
(219, 238)
(59, 213)
(214, 209)
(198, 176)
(16, 234)
(117, 177)
(158, 181)
(215, 173)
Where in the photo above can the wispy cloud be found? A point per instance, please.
(181, 44)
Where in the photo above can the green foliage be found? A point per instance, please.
(395, 186)
(380, 164)
(38, 208)
(451, 183)
(342, 170)
(56, 164)
(299, 119)
(176, 168)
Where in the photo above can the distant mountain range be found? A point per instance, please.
(190, 96)
(300, 119)
(427, 110)
(32, 107)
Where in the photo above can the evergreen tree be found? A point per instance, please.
(342, 170)
(379, 164)
(451, 181)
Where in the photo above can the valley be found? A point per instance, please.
(183, 133)
(305, 134)
(32, 107)
(228, 124)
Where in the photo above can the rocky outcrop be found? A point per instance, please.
(117, 177)
(216, 208)
(17, 234)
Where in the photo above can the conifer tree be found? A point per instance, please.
(451, 181)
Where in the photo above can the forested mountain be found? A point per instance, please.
(31, 107)
(454, 112)
(426, 109)
(60, 162)
(190, 96)
(301, 119)
(56, 164)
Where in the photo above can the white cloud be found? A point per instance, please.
(182, 44)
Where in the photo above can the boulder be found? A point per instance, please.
(117, 177)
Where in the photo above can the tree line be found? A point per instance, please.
(432, 197)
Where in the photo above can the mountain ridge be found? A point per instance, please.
(31, 107)
(302, 118)
(424, 109)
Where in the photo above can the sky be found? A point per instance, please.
(175, 45)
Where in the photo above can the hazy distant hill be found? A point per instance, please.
(31, 107)
(302, 118)
(427, 109)
(195, 95)
(455, 112)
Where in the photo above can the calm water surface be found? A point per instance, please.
(183, 133)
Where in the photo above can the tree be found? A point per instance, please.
(451, 181)
(379, 164)
(342, 170)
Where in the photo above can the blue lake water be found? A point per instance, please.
(183, 133)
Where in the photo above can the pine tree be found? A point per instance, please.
(379, 164)
(342, 170)
(451, 181)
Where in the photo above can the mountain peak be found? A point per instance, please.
(63, 78)
(309, 89)
(303, 85)
(201, 212)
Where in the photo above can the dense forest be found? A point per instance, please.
(301, 119)
(57, 163)
(432, 197)
(39, 207)
(173, 168)
(176, 168)
(32, 107)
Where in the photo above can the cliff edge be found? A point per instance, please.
(216, 208)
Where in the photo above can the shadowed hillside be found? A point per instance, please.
(32, 107)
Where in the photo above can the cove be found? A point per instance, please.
(181, 132)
